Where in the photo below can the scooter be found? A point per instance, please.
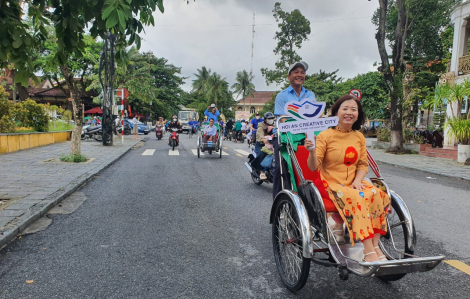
(255, 173)
(127, 129)
(238, 137)
(174, 138)
(93, 133)
(159, 132)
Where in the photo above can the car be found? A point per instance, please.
(143, 128)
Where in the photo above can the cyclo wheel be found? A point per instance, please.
(287, 244)
(400, 236)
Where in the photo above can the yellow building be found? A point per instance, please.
(246, 107)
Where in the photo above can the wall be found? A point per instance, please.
(20, 141)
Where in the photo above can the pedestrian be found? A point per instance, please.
(135, 127)
(116, 124)
(93, 123)
(295, 92)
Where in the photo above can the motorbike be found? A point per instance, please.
(238, 137)
(127, 129)
(159, 131)
(93, 133)
(255, 173)
(174, 138)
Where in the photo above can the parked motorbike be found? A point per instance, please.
(174, 138)
(159, 131)
(127, 129)
(95, 133)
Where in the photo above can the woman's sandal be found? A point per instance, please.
(382, 258)
(366, 254)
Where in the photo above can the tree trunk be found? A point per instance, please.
(22, 92)
(75, 148)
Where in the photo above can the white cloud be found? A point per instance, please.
(217, 34)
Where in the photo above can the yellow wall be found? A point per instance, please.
(12, 143)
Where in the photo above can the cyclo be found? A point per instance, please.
(300, 218)
(212, 145)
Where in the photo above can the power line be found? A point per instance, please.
(241, 25)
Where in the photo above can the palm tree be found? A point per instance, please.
(200, 84)
(216, 87)
(243, 86)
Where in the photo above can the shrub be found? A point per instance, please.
(73, 158)
(460, 129)
(67, 116)
(7, 108)
(383, 134)
(31, 114)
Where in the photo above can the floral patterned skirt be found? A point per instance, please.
(363, 211)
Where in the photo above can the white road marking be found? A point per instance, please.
(148, 152)
(242, 152)
(225, 154)
(195, 152)
(173, 152)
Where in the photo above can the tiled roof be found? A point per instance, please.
(260, 97)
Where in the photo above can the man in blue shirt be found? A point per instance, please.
(254, 126)
(214, 113)
(194, 124)
(295, 92)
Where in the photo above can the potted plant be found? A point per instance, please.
(460, 129)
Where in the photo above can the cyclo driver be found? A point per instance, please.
(174, 124)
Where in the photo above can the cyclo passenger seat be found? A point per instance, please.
(302, 155)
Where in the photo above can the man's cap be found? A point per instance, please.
(302, 64)
(212, 105)
(257, 113)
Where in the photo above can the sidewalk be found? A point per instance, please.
(34, 180)
(438, 166)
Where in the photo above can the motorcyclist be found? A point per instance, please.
(263, 134)
(174, 124)
(160, 122)
(228, 127)
(194, 124)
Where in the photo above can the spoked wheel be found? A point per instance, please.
(287, 244)
(399, 236)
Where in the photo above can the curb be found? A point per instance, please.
(424, 170)
(41, 209)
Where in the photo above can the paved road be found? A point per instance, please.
(183, 227)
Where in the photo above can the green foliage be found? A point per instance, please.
(428, 39)
(73, 158)
(459, 128)
(31, 114)
(6, 112)
(375, 97)
(211, 88)
(325, 86)
(67, 116)
(243, 85)
(293, 30)
(384, 134)
(71, 20)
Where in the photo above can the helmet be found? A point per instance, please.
(268, 115)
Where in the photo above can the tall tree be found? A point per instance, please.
(294, 28)
(199, 85)
(72, 19)
(243, 85)
(216, 88)
(325, 86)
(393, 73)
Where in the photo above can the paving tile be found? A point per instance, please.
(11, 213)
(5, 220)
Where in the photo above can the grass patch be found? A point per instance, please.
(73, 158)
(59, 126)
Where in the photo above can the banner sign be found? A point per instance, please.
(308, 115)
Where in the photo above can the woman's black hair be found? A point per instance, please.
(360, 118)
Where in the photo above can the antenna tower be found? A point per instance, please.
(252, 46)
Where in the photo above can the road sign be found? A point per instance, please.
(356, 92)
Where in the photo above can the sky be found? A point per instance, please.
(217, 34)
